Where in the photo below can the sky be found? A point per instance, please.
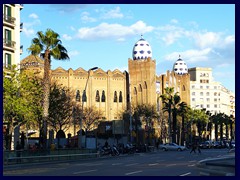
(104, 35)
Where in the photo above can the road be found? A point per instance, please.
(158, 163)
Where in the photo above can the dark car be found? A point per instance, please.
(205, 145)
(217, 145)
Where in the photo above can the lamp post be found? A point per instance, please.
(81, 118)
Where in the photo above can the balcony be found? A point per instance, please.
(8, 20)
(21, 27)
(21, 49)
(21, 6)
(8, 44)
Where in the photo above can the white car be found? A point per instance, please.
(171, 146)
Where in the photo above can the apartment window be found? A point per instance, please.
(201, 93)
(201, 105)
(207, 93)
(193, 86)
(207, 87)
(193, 99)
(7, 61)
(97, 96)
(208, 105)
(215, 87)
(7, 12)
(201, 87)
(120, 96)
(215, 99)
(193, 93)
(115, 96)
(208, 99)
(215, 105)
(103, 98)
(215, 94)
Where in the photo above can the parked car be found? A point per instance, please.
(206, 145)
(217, 145)
(171, 146)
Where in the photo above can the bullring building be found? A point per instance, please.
(113, 92)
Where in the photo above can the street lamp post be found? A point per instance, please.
(81, 118)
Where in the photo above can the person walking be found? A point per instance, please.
(198, 148)
(193, 149)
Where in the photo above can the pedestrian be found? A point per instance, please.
(198, 148)
(18, 151)
(193, 149)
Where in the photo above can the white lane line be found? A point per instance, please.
(116, 164)
(191, 165)
(132, 164)
(185, 174)
(153, 164)
(171, 165)
(133, 172)
(80, 172)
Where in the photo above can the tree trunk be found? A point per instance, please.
(46, 93)
(183, 132)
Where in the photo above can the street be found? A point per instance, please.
(158, 163)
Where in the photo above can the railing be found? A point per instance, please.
(9, 43)
(24, 156)
(9, 19)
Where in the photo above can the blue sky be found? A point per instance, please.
(103, 35)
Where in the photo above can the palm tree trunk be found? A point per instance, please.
(183, 132)
(46, 93)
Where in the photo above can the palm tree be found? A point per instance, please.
(171, 102)
(47, 45)
(183, 109)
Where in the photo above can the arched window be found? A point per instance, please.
(145, 85)
(120, 96)
(78, 96)
(84, 96)
(183, 88)
(140, 88)
(97, 96)
(115, 96)
(103, 96)
(135, 91)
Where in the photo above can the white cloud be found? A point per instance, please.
(28, 31)
(116, 31)
(73, 53)
(208, 39)
(85, 17)
(33, 15)
(190, 56)
(112, 14)
(174, 21)
(223, 65)
(67, 37)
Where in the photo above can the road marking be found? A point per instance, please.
(80, 172)
(132, 164)
(116, 164)
(171, 165)
(153, 164)
(191, 165)
(133, 172)
(185, 174)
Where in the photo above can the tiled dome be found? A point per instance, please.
(142, 50)
(180, 67)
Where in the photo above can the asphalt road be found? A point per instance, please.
(158, 163)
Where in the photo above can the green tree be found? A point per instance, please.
(47, 45)
(21, 101)
(171, 101)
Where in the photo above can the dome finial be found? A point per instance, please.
(141, 36)
(179, 56)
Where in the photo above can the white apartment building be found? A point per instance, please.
(11, 34)
(209, 94)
